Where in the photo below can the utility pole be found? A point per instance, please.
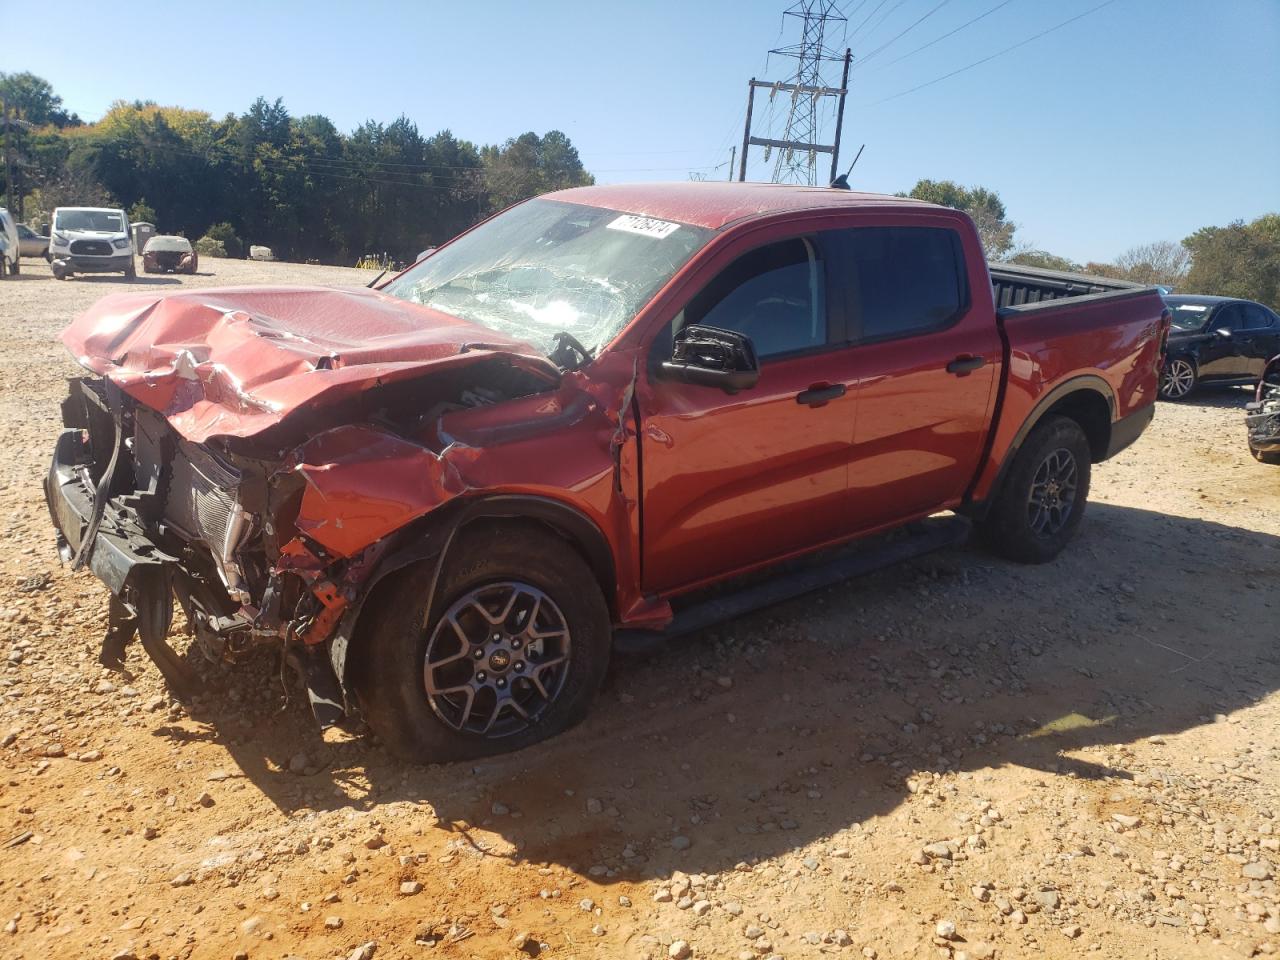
(799, 146)
(733, 152)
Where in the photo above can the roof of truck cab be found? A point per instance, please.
(716, 205)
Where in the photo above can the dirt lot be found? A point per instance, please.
(956, 758)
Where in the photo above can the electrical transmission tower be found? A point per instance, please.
(798, 149)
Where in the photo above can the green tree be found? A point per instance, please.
(1044, 259)
(296, 184)
(142, 212)
(32, 99)
(983, 205)
(529, 165)
(1238, 260)
(225, 234)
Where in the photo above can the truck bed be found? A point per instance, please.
(1014, 285)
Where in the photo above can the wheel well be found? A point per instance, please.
(579, 533)
(1091, 410)
(546, 516)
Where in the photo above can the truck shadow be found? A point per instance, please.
(806, 722)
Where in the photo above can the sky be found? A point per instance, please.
(1142, 120)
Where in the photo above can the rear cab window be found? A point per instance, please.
(901, 281)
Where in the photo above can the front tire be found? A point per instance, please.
(516, 648)
(1178, 379)
(1042, 500)
(1266, 456)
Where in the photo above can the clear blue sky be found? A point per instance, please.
(1141, 121)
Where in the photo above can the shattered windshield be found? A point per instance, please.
(548, 267)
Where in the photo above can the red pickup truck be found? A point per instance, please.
(447, 499)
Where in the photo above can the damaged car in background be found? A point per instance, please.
(1262, 415)
(169, 254)
(447, 500)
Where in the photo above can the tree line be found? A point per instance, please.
(295, 184)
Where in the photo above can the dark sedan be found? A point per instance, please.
(1217, 340)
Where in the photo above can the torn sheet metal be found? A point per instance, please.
(363, 483)
(235, 361)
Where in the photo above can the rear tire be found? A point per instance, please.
(1179, 378)
(553, 609)
(1042, 501)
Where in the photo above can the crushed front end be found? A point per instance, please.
(157, 517)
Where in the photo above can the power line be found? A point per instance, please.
(949, 33)
(864, 22)
(900, 35)
(988, 59)
(887, 14)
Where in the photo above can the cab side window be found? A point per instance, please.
(775, 295)
(902, 281)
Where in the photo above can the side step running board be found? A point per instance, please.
(858, 560)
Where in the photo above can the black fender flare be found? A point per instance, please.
(430, 537)
(1085, 382)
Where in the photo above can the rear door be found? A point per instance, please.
(730, 481)
(1259, 337)
(927, 355)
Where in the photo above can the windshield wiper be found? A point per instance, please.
(567, 352)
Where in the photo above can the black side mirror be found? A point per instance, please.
(712, 357)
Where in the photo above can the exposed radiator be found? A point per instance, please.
(202, 504)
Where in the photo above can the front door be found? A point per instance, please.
(731, 481)
(1219, 355)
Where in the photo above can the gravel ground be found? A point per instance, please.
(957, 758)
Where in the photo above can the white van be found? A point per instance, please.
(91, 240)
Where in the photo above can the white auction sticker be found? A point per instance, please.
(1193, 307)
(645, 226)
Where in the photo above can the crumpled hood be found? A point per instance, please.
(237, 360)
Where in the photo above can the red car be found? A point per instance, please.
(448, 498)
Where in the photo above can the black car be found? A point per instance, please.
(1217, 340)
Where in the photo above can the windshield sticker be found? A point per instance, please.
(1194, 308)
(645, 226)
